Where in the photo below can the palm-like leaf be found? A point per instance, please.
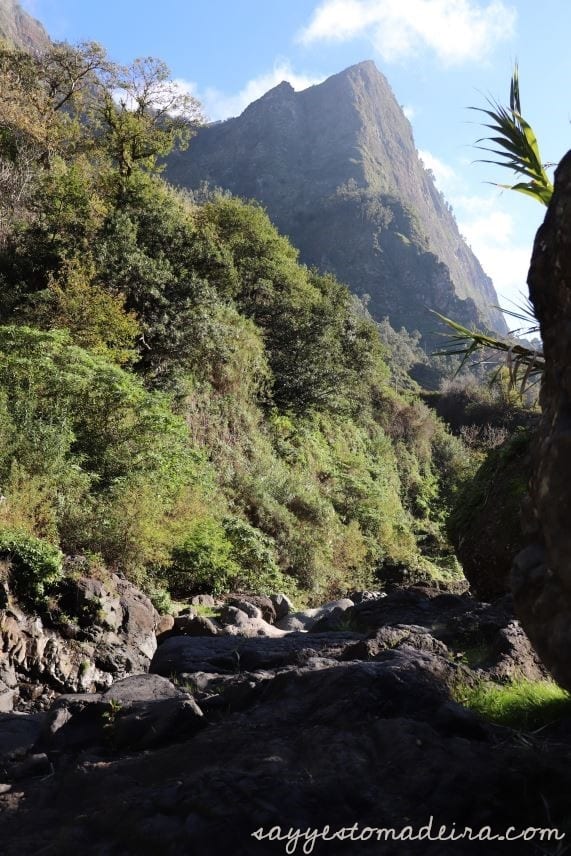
(524, 364)
(515, 144)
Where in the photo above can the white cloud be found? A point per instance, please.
(508, 267)
(409, 111)
(443, 173)
(456, 31)
(221, 105)
(495, 227)
(491, 232)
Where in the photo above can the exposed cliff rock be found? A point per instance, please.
(106, 633)
(337, 169)
(20, 29)
(541, 578)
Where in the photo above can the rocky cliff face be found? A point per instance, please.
(337, 169)
(20, 29)
(541, 579)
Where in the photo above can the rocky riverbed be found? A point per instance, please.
(187, 735)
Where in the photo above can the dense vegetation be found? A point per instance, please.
(180, 399)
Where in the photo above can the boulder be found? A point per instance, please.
(361, 596)
(203, 600)
(393, 637)
(18, 734)
(235, 655)
(136, 713)
(282, 605)
(307, 618)
(239, 622)
(313, 727)
(234, 606)
(94, 604)
(263, 604)
(487, 637)
(194, 625)
(8, 683)
(165, 625)
(137, 688)
(113, 636)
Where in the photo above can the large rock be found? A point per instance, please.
(486, 637)
(541, 577)
(18, 734)
(485, 524)
(318, 728)
(282, 605)
(233, 655)
(136, 713)
(261, 602)
(247, 620)
(193, 625)
(307, 619)
(108, 633)
(377, 744)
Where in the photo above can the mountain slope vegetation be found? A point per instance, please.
(183, 401)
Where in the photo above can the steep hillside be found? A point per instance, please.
(337, 169)
(20, 29)
(180, 400)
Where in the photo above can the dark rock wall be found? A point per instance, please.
(541, 577)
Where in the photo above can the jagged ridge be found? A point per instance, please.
(337, 169)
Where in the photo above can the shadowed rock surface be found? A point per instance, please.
(486, 525)
(305, 730)
(337, 169)
(541, 578)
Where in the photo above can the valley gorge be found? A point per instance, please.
(233, 614)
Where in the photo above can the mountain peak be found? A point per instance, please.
(367, 66)
(337, 169)
(274, 98)
(281, 90)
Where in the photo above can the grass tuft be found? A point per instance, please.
(522, 704)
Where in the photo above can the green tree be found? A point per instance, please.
(145, 115)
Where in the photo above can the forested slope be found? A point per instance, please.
(181, 400)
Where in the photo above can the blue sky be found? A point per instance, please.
(440, 56)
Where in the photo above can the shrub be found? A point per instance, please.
(203, 562)
(36, 566)
(160, 598)
(254, 554)
(102, 464)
